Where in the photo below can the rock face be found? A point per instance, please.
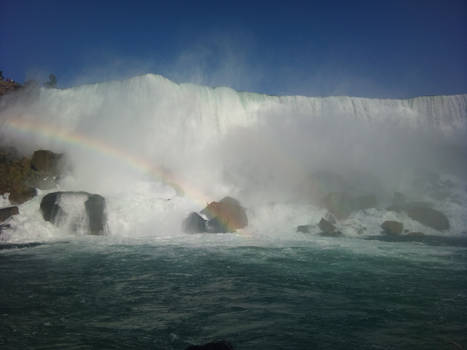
(194, 223)
(6, 213)
(392, 228)
(21, 176)
(79, 212)
(225, 216)
(429, 217)
(219, 345)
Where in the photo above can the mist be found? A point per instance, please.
(221, 142)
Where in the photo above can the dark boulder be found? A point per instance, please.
(216, 225)
(88, 215)
(46, 161)
(194, 223)
(304, 228)
(6, 213)
(225, 216)
(429, 217)
(325, 226)
(49, 207)
(22, 194)
(328, 229)
(95, 208)
(392, 228)
(219, 345)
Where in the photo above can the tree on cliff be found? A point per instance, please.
(52, 83)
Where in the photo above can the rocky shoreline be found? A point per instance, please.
(22, 176)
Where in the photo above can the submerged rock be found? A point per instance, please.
(77, 211)
(429, 217)
(219, 345)
(8, 212)
(225, 216)
(194, 223)
(392, 228)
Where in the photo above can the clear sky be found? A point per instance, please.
(359, 48)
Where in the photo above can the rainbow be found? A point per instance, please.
(109, 150)
(139, 163)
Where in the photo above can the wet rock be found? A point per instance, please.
(21, 195)
(8, 212)
(21, 176)
(429, 217)
(4, 227)
(225, 216)
(46, 161)
(326, 227)
(77, 211)
(194, 223)
(219, 345)
(95, 208)
(216, 225)
(392, 228)
(304, 228)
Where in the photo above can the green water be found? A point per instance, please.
(349, 294)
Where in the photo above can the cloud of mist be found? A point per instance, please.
(219, 142)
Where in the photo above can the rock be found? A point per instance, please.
(304, 228)
(429, 217)
(95, 208)
(219, 345)
(415, 234)
(7, 86)
(46, 161)
(326, 227)
(22, 195)
(77, 211)
(216, 225)
(4, 227)
(392, 228)
(20, 176)
(225, 216)
(49, 207)
(194, 223)
(8, 212)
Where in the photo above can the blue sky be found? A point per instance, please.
(358, 48)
